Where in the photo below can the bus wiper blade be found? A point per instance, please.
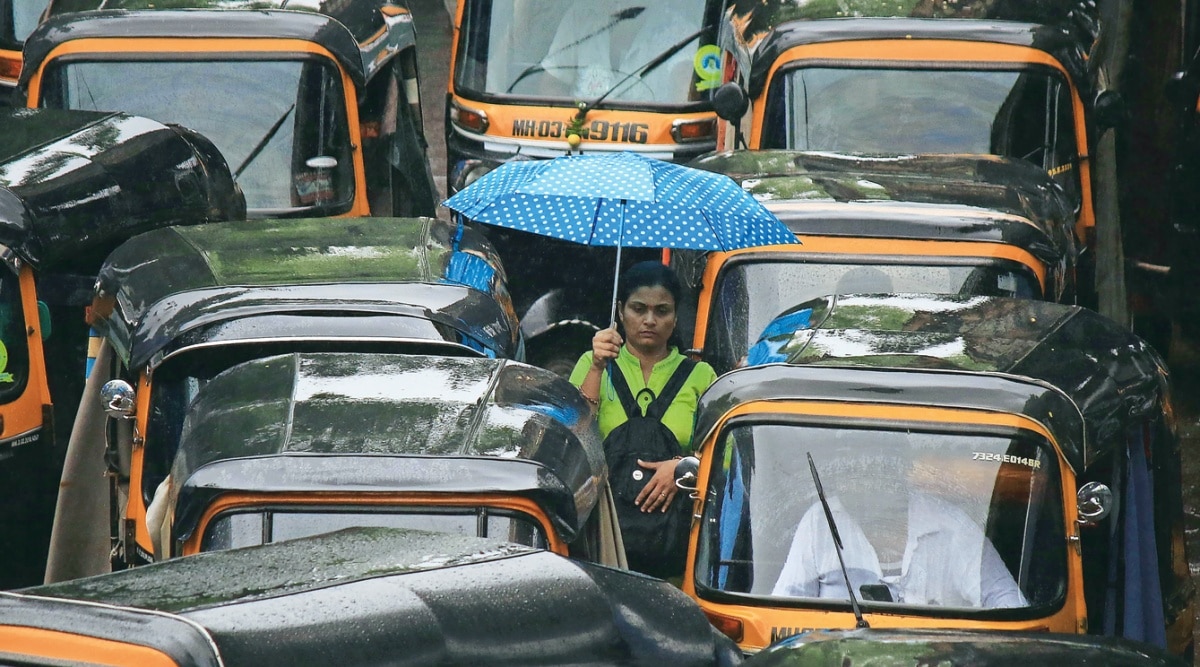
(617, 17)
(860, 622)
(262, 143)
(645, 69)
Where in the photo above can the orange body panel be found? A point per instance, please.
(858, 246)
(77, 649)
(916, 51)
(764, 625)
(247, 500)
(222, 49)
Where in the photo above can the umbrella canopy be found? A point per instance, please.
(623, 200)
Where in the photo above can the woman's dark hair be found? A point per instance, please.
(650, 274)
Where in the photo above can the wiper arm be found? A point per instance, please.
(262, 143)
(617, 17)
(860, 622)
(645, 69)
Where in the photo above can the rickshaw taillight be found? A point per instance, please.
(729, 626)
(471, 120)
(688, 131)
(10, 69)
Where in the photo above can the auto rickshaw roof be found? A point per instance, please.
(362, 36)
(159, 286)
(764, 48)
(954, 647)
(312, 423)
(374, 596)
(74, 184)
(1083, 376)
(966, 197)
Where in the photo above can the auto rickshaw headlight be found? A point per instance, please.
(471, 120)
(119, 399)
(1093, 503)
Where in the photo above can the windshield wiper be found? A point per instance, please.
(262, 143)
(645, 69)
(617, 17)
(860, 622)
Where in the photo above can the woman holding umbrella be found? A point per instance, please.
(646, 357)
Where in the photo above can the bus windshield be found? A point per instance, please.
(928, 520)
(281, 124)
(580, 49)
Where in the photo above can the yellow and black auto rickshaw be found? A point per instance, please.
(921, 78)
(924, 461)
(73, 185)
(307, 443)
(314, 105)
(928, 224)
(175, 307)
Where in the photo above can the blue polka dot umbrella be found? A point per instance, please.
(621, 200)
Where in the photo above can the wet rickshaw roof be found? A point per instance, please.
(159, 286)
(960, 647)
(318, 422)
(74, 184)
(1075, 371)
(763, 48)
(966, 197)
(361, 35)
(375, 596)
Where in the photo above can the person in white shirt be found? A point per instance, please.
(926, 551)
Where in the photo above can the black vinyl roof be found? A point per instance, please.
(75, 184)
(362, 35)
(1080, 374)
(381, 596)
(312, 423)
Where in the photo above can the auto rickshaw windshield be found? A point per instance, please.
(280, 124)
(251, 528)
(579, 49)
(749, 294)
(928, 521)
(1025, 114)
(24, 16)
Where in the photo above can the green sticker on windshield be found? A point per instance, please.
(4, 377)
(707, 64)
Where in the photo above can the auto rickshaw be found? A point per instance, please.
(368, 596)
(175, 307)
(959, 648)
(301, 444)
(989, 463)
(72, 186)
(315, 105)
(1008, 79)
(927, 224)
(18, 18)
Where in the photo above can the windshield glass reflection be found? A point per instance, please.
(579, 49)
(1023, 114)
(280, 125)
(926, 519)
(748, 295)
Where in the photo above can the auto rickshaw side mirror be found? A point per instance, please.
(1108, 109)
(118, 398)
(730, 102)
(686, 470)
(1094, 502)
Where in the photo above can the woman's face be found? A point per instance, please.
(649, 318)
